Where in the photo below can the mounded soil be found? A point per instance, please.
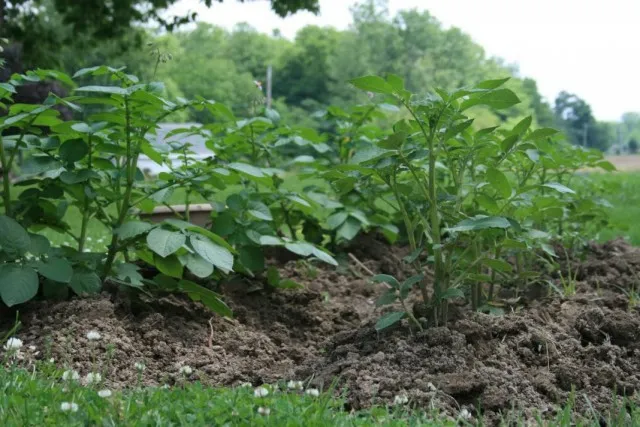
(528, 360)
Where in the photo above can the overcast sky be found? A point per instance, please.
(588, 47)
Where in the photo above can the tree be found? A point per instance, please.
(100, 19)
(575, 116)
(633, 146)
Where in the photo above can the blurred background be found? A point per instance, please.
(574, 64)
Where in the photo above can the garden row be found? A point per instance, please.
(476, 206)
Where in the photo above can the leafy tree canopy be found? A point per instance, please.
(103, 20)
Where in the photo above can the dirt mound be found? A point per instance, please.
(528, 359)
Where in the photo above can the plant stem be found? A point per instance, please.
(6, 184)
(493, 274)
(131, 161)
(86, 202)
(287, 220)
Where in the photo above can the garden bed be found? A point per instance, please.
(528, 359)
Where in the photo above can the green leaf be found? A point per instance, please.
(260, 211)
(18, 284)
(372, 84)
(129, 274)
(533, 155)
(452, 293)
(492, 84)
(507, 144)
(81, 127)
(480, 223)
(217, 255)
(103, 89)
(165, 242)
(323, 256)
(271, 241)
(396, 82)
(299, 200)
(210, 299)
(385, 278)
(457, 128)
(252, 258)
(394, 141)
(56, 269)
(499, 181)
(13, 238)
(289, 284)
(349, 229)
(389, 319)
(498, 265)
(132, 229)
(548, 249)
(213, 237)
(199, 266)
(497, 99)
(387, 298)
(540, 134)
(408, 284)
(273, 276)
(169, 265)
(40, 245)
(300, 248)
(606, 165)
(85, 282)
(522, 126)
(559, 187)
(247, 169)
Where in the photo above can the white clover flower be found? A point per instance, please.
(139, 366)
(264, 411)
(69, 406)
(52, 360)
(93, 378)
(246, 384)
(186, 370)
(70, 375)
(32, 347)
(465, 414)
(313, 392)
(294, 385)
(260, 392)
(105, 393)
(93, 335)
(400, 400)
(13, 343)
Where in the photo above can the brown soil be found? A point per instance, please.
(528, 359)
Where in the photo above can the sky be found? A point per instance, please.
(587, 47)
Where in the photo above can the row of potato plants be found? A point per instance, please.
(477, 207)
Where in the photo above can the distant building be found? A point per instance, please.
(162, 142)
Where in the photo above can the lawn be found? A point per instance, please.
(622, 190)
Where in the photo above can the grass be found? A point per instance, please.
(622, 190)
(40, 399)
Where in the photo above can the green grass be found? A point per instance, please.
(39, 399)
(622, 190)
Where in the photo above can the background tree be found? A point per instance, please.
(575, 116)
(633, 146)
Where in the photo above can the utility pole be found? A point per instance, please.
(269, 78)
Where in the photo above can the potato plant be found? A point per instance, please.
(91, 165)
(469, 199)
(477, 207)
